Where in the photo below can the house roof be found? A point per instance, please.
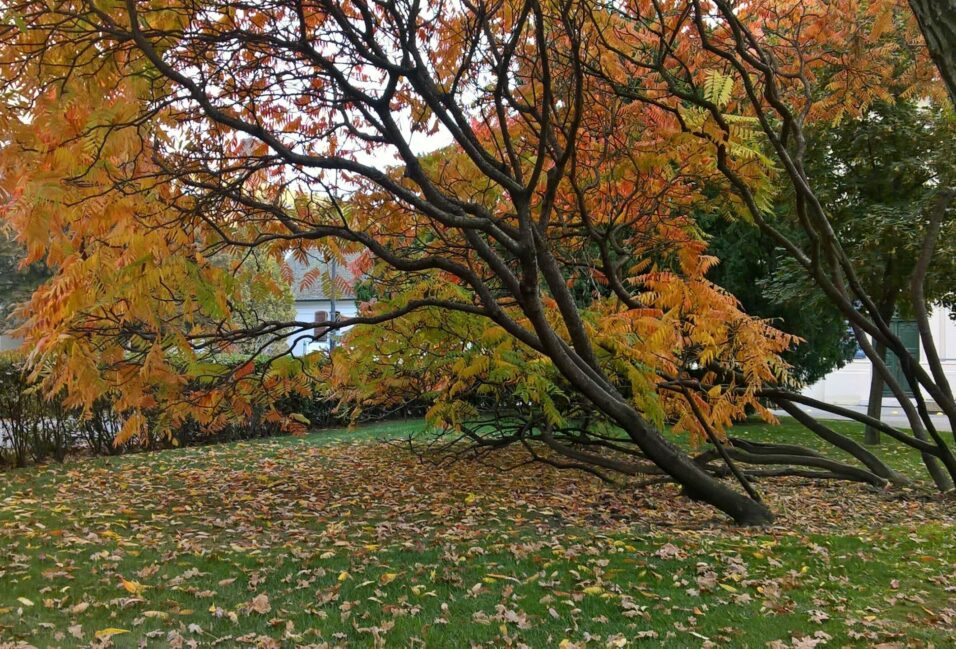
(310, 285)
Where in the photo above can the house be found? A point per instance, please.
(850, 385)
(320, 287)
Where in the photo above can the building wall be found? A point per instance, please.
(302, 343)
(8, 343)
(850, 385)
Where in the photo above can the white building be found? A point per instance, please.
(9, 343)
(316, 285)
(850, 385)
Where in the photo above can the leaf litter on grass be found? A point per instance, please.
(298, 544)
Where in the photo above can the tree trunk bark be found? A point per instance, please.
(870, 461)
(937, 21)
(697, 483)
(874, 404)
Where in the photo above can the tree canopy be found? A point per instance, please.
(16, 282)
(547, 257)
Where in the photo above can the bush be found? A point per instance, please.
(36, 428)
(32, 427)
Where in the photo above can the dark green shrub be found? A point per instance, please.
(32, 427)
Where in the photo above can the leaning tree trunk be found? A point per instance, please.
(697, 483)
(937, 21)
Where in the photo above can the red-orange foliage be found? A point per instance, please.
(552, 242)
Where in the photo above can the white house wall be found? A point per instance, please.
(302, 344)
(850, 385)
(9, 343)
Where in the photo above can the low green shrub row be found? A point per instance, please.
(36, 428)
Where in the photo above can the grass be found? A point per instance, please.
(335, 540)
(898, 456)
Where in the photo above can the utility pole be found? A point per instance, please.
(334, 315)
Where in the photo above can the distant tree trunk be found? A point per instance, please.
(937, 21)
(874, 404)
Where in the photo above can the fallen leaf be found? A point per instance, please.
(260, 604)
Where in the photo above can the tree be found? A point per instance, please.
(264, 296)
(938, 25)
(554, 239)
(780, 80)
(768, 287)
(16, 283)
(501, 220)
(877, 173)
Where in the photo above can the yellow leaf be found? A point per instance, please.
(344, 575)
(110, 631)
(470, 498)
(24, 601)
(387, 578)
(133, 587)
(593, 590)
(728, 588)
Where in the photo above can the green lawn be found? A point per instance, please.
(336, 540)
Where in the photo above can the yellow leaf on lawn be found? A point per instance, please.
(494, 575)
(593, 590)
(133, 587)
(110, 631)
(24, 601)
(344, 575)
(387, 578)
(728, 588)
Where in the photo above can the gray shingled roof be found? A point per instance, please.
(320, 289)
